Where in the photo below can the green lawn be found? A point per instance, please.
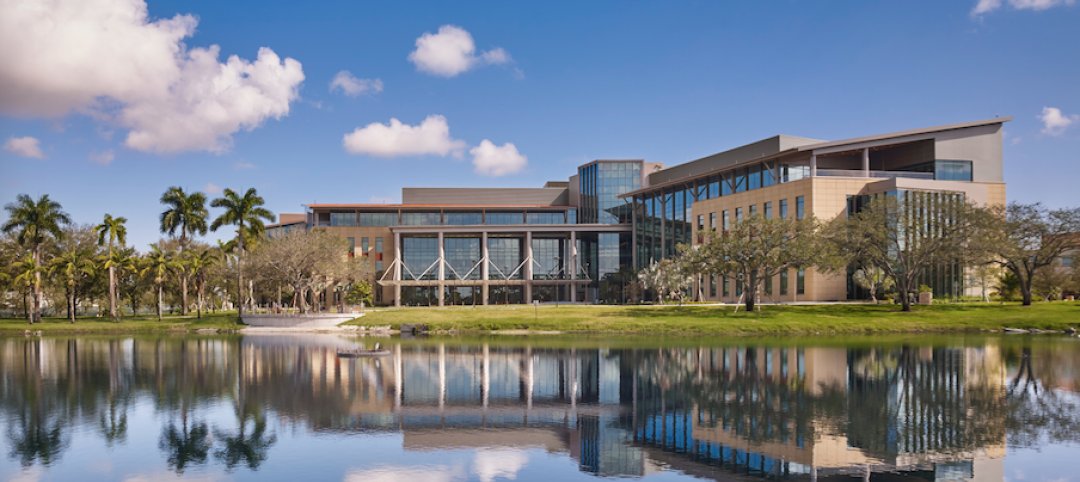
(221, 320)
(719, 320)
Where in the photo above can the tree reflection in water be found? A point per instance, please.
(748, 407)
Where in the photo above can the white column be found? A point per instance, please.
(485, 372)
(397, 269)
(813, 165)
(484, 267)
(529, 380)
(866, 162)
(527, 270)
(573, 265)
(573, 380)
(442, 269)
(442, 376)
(397, 378)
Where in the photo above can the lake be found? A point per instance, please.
(491, 408)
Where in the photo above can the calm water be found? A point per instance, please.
(262, 407)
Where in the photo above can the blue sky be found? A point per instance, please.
(564, 83)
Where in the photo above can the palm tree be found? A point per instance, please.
(123, 260)
(36, 222)
(187, 213)
(73, 266)
(26, 271)
(159, 263)
(247, 214)
(113, 229)
(185, 446)
(198, 264)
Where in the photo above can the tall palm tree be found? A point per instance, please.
(73, 266)
(119, 262)
(186, 213)
(198, 265)
(246, 213)
(113, 229)
(159, 264)
(26, 271)
(35, 222)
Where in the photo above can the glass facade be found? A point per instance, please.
(768, 210)
(461, 255)
(505, 254)
(343, 219)
(944, 170)
(494, 219)
(601, 184)
(420, 219)
(378, 219)
(463, 219)
(800, 207)
(550, 256)
(545, 218)
(417, 255)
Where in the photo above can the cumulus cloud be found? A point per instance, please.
(211, 188)
(239, 166)
(103, 158)
(492, 160)
(353, 86)
(987, 6)
(25, 147)
(432, 136)
(1054, 122)
(393, 473)
(452, 51)
(107, 59)
(490, 464)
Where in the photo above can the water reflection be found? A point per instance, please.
(928, 410)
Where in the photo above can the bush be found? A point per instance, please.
(925, 289)
(358, 292)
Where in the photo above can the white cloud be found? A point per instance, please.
(505, 463)
(432, 136)
(107, 59)
(103, 158)
(242, 164)
(353, 86)
(25, 147)
(211, 188)
(392, 473)
(451, 52)
(1054, 122)
(987, 6)
(492, 160)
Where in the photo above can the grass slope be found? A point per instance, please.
(220, 320)
(720, 320)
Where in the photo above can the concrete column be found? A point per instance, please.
(866, 162)
(813, 165)
(442, 269)
(485, 372)
(397, 269)
(484, 267)
(442, 376)
(527, 273)
(529, 380)
(397, 377)
(573, 265)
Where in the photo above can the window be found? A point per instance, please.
(1067, 262)
(754, 177)
(727, 222)
(714, 186)
(420, 219)
(504, 218)
(799, 207)
(462, 219)
(363, 246)
(352, 247)
(712, 286)
(544, 218)
(701, 222)
(783, 209)
(767, 174)
(727, 287)
(712, 221)
(726, 184)
(738, 215)
(343, 219)
(378, 219)
(378, 255)
(768, 210)
(768, 285)
(571, 216)
(800, 282)
(740, 180)
(753, 210)
(784, 282)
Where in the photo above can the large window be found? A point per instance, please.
(378, 219)
(378, 256)
(783, 209)
(768, 210)
(800, 282)
(420, 219)
(418, 254)
(343, 219)
(462, 254)
(462, 219)
(800, 207)
(492, 219)
(548, 254)
(784, 282)
(544, 218)
(505, 255)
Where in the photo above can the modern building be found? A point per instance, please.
(580, 240)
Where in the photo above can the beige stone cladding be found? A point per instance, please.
(823, 197)
(995, 193)
(371, 232)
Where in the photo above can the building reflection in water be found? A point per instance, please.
(775, 413)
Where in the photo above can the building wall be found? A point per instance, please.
(371, 232)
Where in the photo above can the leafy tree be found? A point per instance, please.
(186, 213)
(904, 235)
(1008, 285)
(754, 250)
(872, 279)
(122, 261)
(1027, 238)
(27, 270)
(159, 264)
(308, 261)
(359, 292)
(35, 222)
(114, 230)
(247, 214)
(73, 267)
(667, 278)
(199, 265)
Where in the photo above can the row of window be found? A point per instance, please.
(365, 251)
(800, 284)
(447, 219)
(767, 212)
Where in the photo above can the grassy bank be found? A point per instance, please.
(718, 320)
(219, 321)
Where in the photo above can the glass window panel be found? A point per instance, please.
(783, 209)
(343, 219)
(768, 210)
(462, 219)
(727, 183)
(378, 219)
(714, 186)
(740, 180)
(767, 173)
(799, 207)
(420, 219)
(754, 177)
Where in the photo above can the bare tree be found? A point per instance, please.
(307, 261)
